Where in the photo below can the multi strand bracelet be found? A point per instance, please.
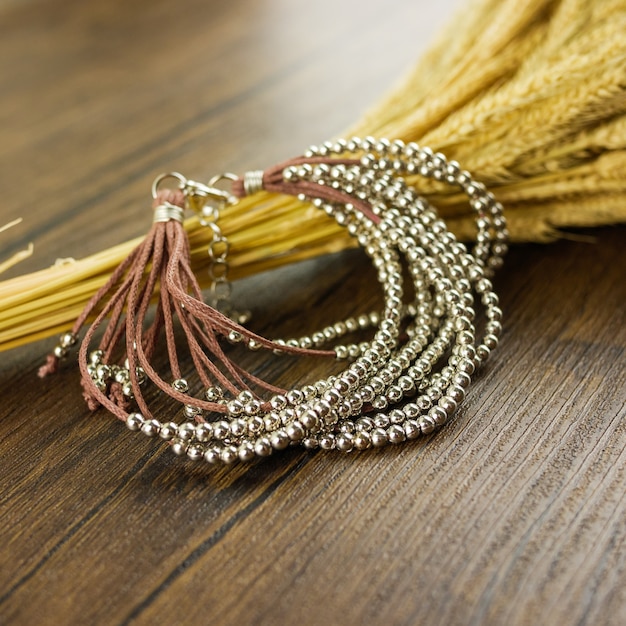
(406, 380)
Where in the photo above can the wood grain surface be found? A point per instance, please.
(515, 513)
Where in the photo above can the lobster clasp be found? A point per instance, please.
(208, 200)
(204, 199)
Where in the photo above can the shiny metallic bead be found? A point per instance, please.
(134, 421)
(60, 352)
(204, 432)
(179, 447)
(151, 428)
(181, 385)
(141, 375)
(310, 443)
(380, 403)
(344, 442)
(246, 451)
(195, 452)
(423, 402)
(229, 454)
(103, 372)
(252, 407)
(397, 416)
(235, 407)
(255, 424)
(438, 415)
(490, 341)
(426, 424)
(271, 421)
(309, 419)
(263, 446)
(327, 442)
(462, 380)
(186, 431)
(278, 402)
(214, 394)
(456, 392)
(168, 431)
(295, 397)
(362, 440)
(466, 366)
(67, 339)
(96, 356)
(364, 424)
(381, 420)
(396, 434)
(235, 337)
(190, 411)
(295, 431)
(482, 353)
(412, 429)
(122, 376)
(448, 404)
(379, 437)
(394, 394)
(212, 455)
(279, 440)
(221, 429)
(238, 427)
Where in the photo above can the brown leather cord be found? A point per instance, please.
(162, 262)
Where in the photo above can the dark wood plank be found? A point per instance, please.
(512, 514)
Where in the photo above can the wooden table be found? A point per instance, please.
(513, 514)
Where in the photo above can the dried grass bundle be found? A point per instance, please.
(529, 95)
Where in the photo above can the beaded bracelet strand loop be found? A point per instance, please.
(407, 380)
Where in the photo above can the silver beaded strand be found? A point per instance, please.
(411, 376)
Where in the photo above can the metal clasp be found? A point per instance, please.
(204, 199)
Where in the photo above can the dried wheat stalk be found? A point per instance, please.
(530, 95)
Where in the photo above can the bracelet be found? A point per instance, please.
(406, 380)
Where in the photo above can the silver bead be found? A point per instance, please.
(310, 420)
(134, 421)
(235, 407)
(60, 352)
(310, 443)
(362, 440)
(295, 432)
(379, 437)
(221, 430)
(278, 402)
(263, 447)
(190, 411)
(327, 442)
(229, 454)
(212, 455)
(238, 427)
(279, 440)
(344, 442)
(426, 424)
(246, 451)
(67, 339)
(214, 394)
(438, 415)
(412, 429)
(195, 452)
(151, 428)
(96, 356)
(103, 372)
(168, 431)
(179, 447)
(181, 385)
(204, 431)
(186, 431)
(396, 433)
